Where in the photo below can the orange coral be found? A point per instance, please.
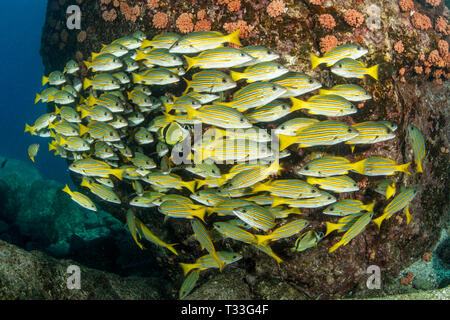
(201, 14)
(433, 3)
(406, 280)
(184, 23)
(327, 43)
(202, 25)
(406, 5)
(443, 48)
(240, 24)
(316, 2)
(160, 20)
(152, 4)
(82, 36)
(398, 46)
(427, 256)
(130, 13)
(401, 71)
(420, 21)
(441, 25)
(276, 8)
(234, 5)
(327, 21)
(435, 59)
(418, 69)
(353, 18)
(110, 15)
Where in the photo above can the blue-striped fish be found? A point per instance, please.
(347, 206)
(132, 227)
(102, 150)
(177, 209)
(143, 136)
(418, 144)
(140, 35)
(259, 54)
(163, 40)
(108, 100)
(377, 166)
(177, 198)
(169, 181)
(45, 95)
(80, 198)
(70, 89)
(115, 49)
(235, 150)
(140, 160)
(203, 40)
(95, 168)
(288, 188)
(270, 112)
(208, 262)
(104, 62)
(139, 98)
(400, 201)
(323, 133)
(68, 113)
(101, 131)
(156, 76)
(351, 92)
(33, 150)
(223, 57)
(386, 188)
(210, 81)
(208, 197)
(73, 143)
(337, 184)
(202, 236)
(118, 121)
(370, 132)
(96, 112)
(391, 125)
(321, 200)
(61, 97)
(330, 166)
(181, 103)
(268, 250)
(230, 230)
(129, 64)
(297, 83)
(220, 116)
(254, 134)
(189, 283)
(255, 95)
(128, 42)
(262, 71)
(71, 67)
(205, 169)
(340, 52)
(344, 223)
(249, 177)
(281, 212)
(350, 68)
(285, 231)
(326, 105)
(204, 98)
(102, 191)
(65, 128)
(256, 216)
(146, 200)
(102, 81)
(55, 78)
(225, 208)
(293, 126)
(353, 231)
(145, 232)
(159, 57)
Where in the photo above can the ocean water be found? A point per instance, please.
(21, 24)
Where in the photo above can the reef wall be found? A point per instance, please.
(413, 88)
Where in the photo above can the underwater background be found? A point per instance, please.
(41, 226)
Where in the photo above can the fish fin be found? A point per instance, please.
(274, 167)
(236, 76)
(378, 220)
(337, 245)
(117, 172)
(85, 183)
(419, 167)
(187, 267)
(390, 191)
(312, 180)
(91, 100)
(369, 207)
(259, 187)
(234, 38)
(57, 110)
(286, 141)
(167, 107)
(296, 211)
(210, 210)
(191, 62)
(219, 262)
(315, 60)
(298, 104)
(359, 166)
(191, 112)
(136, 78)
(83, 129)
(87, 64)
(262, 239)
(404, 168)
(44, 80)
(408, 214)
(32, 158)
(324, 91)
(352, 147)
(373, 72)
(188, 85)
(38, 97)
(94, 55)
(278, 201)
(171, 248)
(139, 55)
(331, 227)
(67, 190)
(51, 147)
(28, 128)
(190, 185)
(87, 83)
(146, 43)
(84, 113)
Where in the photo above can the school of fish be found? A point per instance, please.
(208, 155)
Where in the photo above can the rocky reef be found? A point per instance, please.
(413, 89)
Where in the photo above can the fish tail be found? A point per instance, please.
(28, 128)
(136, 78)
(312, 180)
(84, 113)
(210, 210)
(87, 83)
(315, 61)
(187, 267)
(139, 55)
(324, 91)
(337, 245)
(188, 85)
(67, 190)
(286, 141)
(83, 129)
(87, 64)
(51, 147)
(298, 104)
(236, 76)
(234, 37)
(57, 110)
(190, 112)
(118, 173)
(278, 201)
(44, 80)
(404, 168)
(85, 183)
(38, 97)
(91, 100)
(262, 239)
(419, 167)
(94, 55)
(199, 213)
(146, 43)
(32, 158)
(171, 248)
(352, 147)
(373, 72)
(296, 211)
(259, 187)
(274, 167)
(167, 114)
(219, 262)
(378, 220)
(191, 62)
(408, 214)
(331, 227)
(390, 191)
(359, 166)
(190, 185)
(369, 207)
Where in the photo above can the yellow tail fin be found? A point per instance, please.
(359, 166)
(331, 227)
(298, 104)
(379, 220)
(337, 245)
(369, 207)
(87, 83)
(188, 85)
(136, 78)
(51, 147)
(28, 128)
(286, 141)
(94, 55)
(187, 267)
(259, 187)
(234, 37)
(373, 72)
(390, 190)
(190, 185)
(67, 190)
(312, 180)
(38, 97)
(91, 100)
(408, 214)
(236, 76)
(118, 173)
(404, 168)
(87, 64)
(200, 213)
(262, 239)
(83, 129)
(278, 201)
(146, 43)
(315, 61)
(84, 113)
(139, 55)
(324, 91)
(190, 112)
(85, 183)
(57, 110)
(44, 80)
(191, 62)
(419, 166)
(171, 248)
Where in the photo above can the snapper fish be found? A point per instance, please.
(41, 123)
(159, 57)
(223, 57)
(102, 81)
(322, 199)
(350, 68)
(386, 188)
(71, 67)
(195, 42)
(115, 49)
(351, 92)
(326, 105)
(45, 95)
(337, 184)
(400, 202)
(296, 83)
(259, 54)
(208, 261)
(330, 166)
(33, 150)
(418, 144)
(377, 166)
(189, 283)
(55, 78)
(102, 191)
(203, 237)
(340, 52)
(220, 116)
(348, 206)
(95, 168)
(262, 71)
(285, 231)
(163, 41)
(156, 76)
(80, 198)
(145, 233)
(210, 81)
(130, 42)
(104, 62)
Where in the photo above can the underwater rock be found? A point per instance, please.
(34, 275)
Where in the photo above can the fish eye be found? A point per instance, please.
(306, 168)
(242, 55)
(313, 191)
(329, 198)
(310, 81)
(339, 65)
(274, 88)
(278, 67)
(349, 130)
(224, 80)
(171, 76)
(269, 52)
(111, 134)
(244, 211)
(331, 209)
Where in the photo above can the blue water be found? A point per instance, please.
(21, 24)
